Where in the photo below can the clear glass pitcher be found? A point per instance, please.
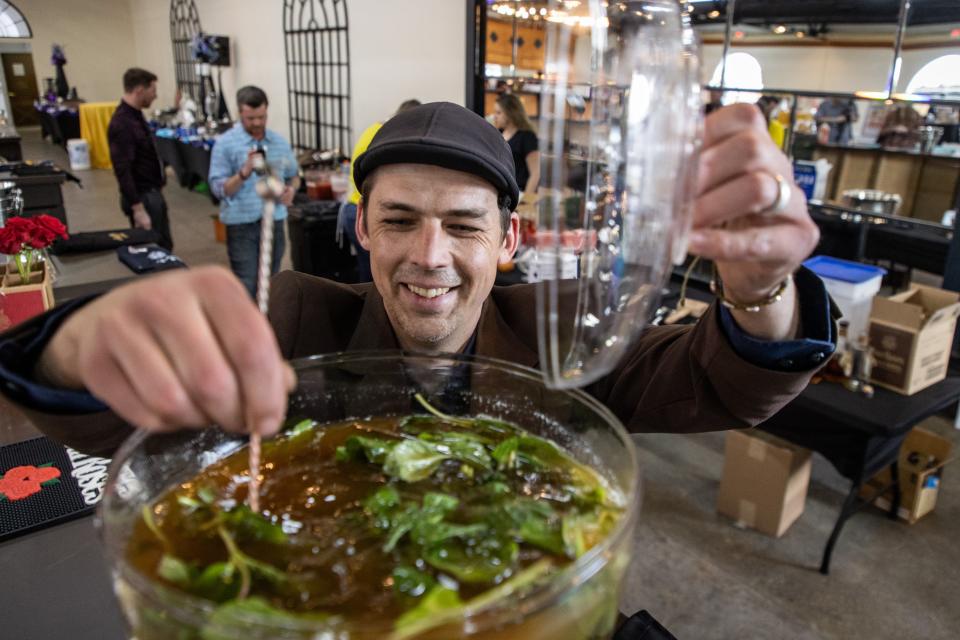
(619, 129)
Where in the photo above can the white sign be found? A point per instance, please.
(18, 69)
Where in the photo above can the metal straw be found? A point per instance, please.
(270, 188)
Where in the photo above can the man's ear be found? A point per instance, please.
(510, 240)
(361, 226)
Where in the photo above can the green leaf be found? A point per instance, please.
(218, 582)
(432, 533)
(249, 525)
(586, 484)
(438, 603)
(382, 501)
(174, 570)
(520, 581)
(466, 447)
(304, 426)
(583, 530)
(537, 522)
(266, 571)
(496, 488)
(400, 525)
(207, 494)
(412, 582)
(232, 619)
(424, 522)
(445, 609)
(363, 448)
(505, 453)
(482, 562)
(413, 460)
(439, 503)
(189, 504)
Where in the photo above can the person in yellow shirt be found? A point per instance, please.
(347, 219)
(768, 105)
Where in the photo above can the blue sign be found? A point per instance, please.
(805, 175)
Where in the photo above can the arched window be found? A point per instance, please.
(12, 22)
(318, 73)
(743, 72)
(939, 77)
(184, 25)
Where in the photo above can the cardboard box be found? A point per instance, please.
(20, 302)
(911, 334)
(921, 461)
(765, 479)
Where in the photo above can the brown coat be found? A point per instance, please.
(675, 379)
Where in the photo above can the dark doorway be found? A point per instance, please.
(21, 88)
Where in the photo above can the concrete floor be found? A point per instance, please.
(698, 574)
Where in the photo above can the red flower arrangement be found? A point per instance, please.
(25, 238)
(22, 482)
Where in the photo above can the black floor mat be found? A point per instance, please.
(43, 483)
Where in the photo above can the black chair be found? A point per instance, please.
(860, 436)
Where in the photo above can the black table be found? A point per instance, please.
(190, 163)
(83, 274)
(860, 436)
(60, 127)
(41, 194)
(10, 147)
(915, 244)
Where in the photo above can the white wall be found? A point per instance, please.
(97, 37)
(814, 68)
(398, 50)
(915, 59)
(840, 69)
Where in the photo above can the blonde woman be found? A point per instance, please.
(511, 118)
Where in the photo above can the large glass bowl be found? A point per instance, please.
(580, 603)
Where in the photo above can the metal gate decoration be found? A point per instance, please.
(317, 52)
(184, 25)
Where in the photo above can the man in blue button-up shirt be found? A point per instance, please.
(231, 168)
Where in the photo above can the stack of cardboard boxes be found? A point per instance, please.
(764, 483)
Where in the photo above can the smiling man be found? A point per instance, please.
(438, 235)
(437, 215)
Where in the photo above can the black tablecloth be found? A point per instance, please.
(858, 435)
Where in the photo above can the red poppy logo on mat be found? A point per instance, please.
(22, 482)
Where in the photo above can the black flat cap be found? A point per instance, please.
(446, 135)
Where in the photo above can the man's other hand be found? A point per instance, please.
(184, 349)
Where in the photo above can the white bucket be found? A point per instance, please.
(79, 153)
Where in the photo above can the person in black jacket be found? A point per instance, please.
(511, 119)
(136, 163)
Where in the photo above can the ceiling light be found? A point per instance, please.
(779, 29)
(713, 14)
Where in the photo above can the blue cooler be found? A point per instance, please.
(852, 285)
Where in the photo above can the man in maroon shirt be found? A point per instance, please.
(134, 155)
